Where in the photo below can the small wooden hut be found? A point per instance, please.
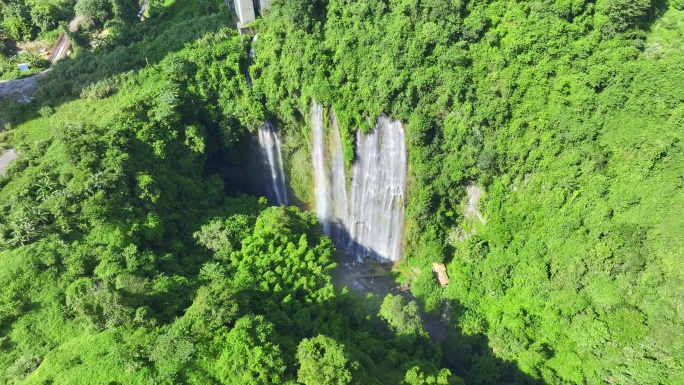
(440, 271)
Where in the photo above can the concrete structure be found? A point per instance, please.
(5, 159)
(262, 4)
(246, 10)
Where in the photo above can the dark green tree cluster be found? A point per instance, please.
(24, 20)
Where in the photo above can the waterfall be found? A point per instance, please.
(338, 184)
(321, 182)
(364, 217)
(378, 188)
(251, 60)
(270, 156)
(271, 159)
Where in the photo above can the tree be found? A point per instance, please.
(249, 355)
(402, 317)
(322, 361)
(98, 11)
(213, 309)
(172, 350)
(16, 21)
(223, 235)
(44, 16)
(625, 13)
(98, 303)
(416, 376)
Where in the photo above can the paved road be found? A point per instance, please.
(73, 24)
(21, 89)
(5, 159)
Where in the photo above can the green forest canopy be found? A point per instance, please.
(125, 260)
(569, 115)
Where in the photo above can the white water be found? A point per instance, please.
(378, 188)
(271, 160)
(338, 183)
(251, 60)
(364, 217)
(318, 156)
(270, 156)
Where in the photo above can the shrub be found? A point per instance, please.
(98, 11)
(21, 367)
(99, 90)
(46, 111)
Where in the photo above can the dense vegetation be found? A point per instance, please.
(129, 252)
(124, 260)
(28, 28)
(568, 114)
(23, 21)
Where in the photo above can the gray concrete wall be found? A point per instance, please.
(245, 10)
(263, 4)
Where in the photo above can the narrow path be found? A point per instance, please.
(5, 159)
(73, 24)
(22, 90)
(472, 210)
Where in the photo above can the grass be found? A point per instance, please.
(86, 359)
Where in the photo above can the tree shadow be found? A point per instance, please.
(237, 168)
(471, 357)
(656, 11)
(351, 248)
(467, 356)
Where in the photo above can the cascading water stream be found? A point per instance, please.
(270, 155)
(368, 219)
(271, 160)
(251, 60)
(338, 185)
(378, 187)
(321, 183)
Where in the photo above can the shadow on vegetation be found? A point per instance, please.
(658, 8)
(236, 168)
(246, 170)
(467, 356)
(470, 357)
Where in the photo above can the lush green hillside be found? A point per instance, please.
(127, 256)
(569, 115)
(129, 253)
